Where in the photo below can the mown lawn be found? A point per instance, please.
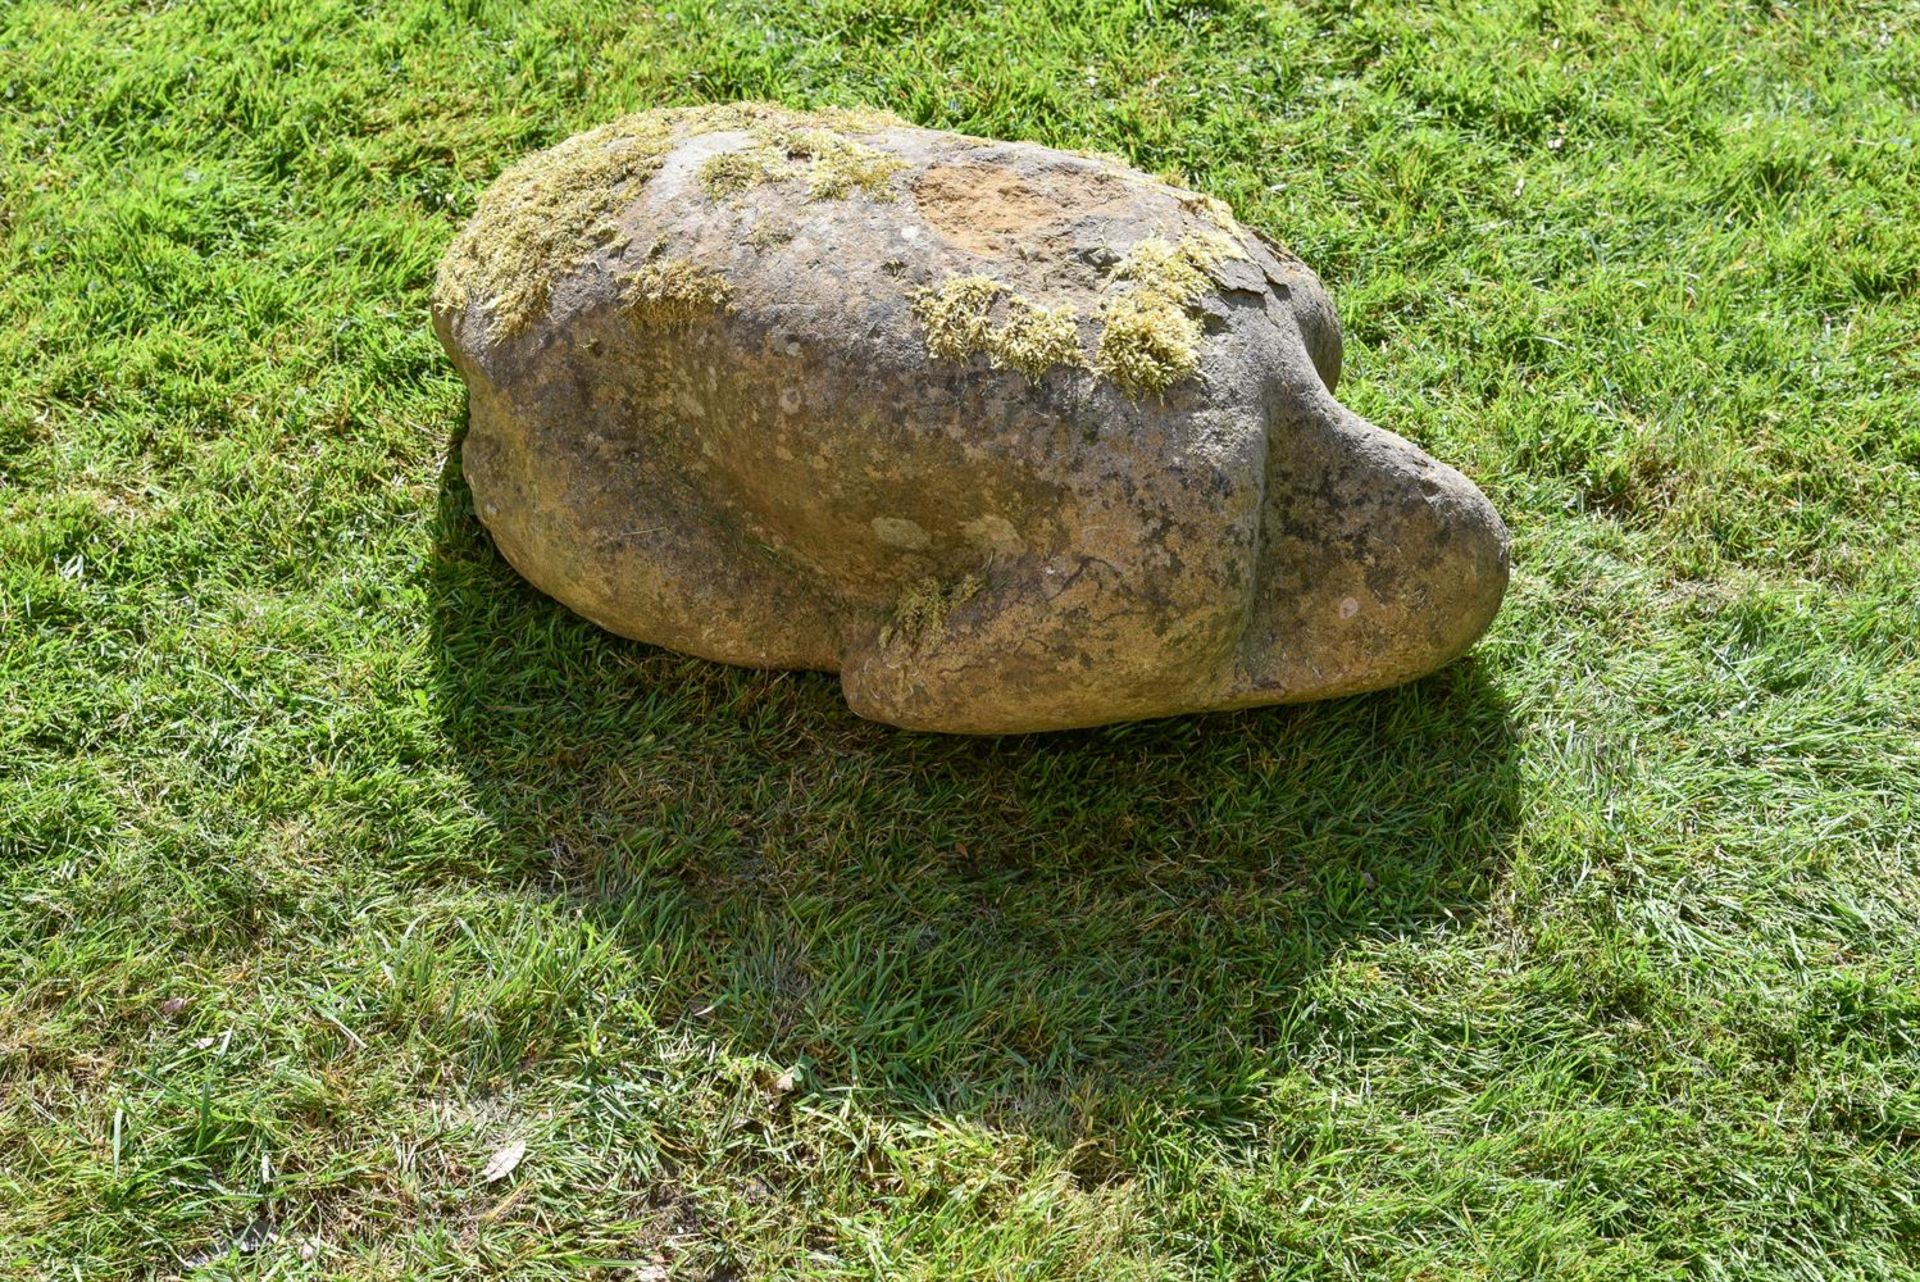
(333, 859)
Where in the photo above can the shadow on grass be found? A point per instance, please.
(1074, 934)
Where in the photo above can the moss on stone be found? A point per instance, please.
(1217, 210)
(842, 166)
(1036, 338)
(1113, 158)
(958, 318)
(1146, 346)
(674, 291)
(539, 218)
(834, 164)
(548, 213)
(1150, 334)
(732, 172)
(1150, 338)
(765, 235)
(920, 613)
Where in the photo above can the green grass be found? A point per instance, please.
(333, 858)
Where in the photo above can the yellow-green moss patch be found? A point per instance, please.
(547, 213)
(1146, 347)
(839, 165)
(766, 234)
(834, 164)
(1036, 338)
(732, 172)
(1112, 158)
(920, 614)
(1216, 209)
(1151, 337)
(958, 318)
(538, 219)
(674, 291)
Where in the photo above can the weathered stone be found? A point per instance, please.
(1010, 438)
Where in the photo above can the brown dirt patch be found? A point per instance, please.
(982, 208)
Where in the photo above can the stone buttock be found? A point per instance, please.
(1010, 438)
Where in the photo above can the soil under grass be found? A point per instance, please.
(333, 859)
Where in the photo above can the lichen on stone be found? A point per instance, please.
(669, 292)
(958, 318)
(1151, 337)
(548, 213)
(920, 613)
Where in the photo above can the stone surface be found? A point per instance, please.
(1010, 438)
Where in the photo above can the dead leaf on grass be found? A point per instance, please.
(502, 1163)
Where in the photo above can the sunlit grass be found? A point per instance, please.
(334, 858)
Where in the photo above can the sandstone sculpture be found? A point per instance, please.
(1010, 438)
